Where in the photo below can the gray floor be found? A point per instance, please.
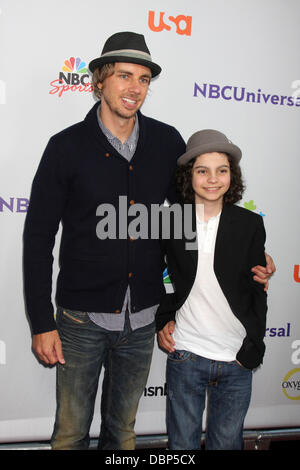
(261, 439)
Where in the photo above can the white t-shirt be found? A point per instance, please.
(205, 324)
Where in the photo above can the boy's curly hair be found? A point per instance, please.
(184, 182)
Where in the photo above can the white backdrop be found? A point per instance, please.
(231, 65)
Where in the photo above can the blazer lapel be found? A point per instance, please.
(223, 238)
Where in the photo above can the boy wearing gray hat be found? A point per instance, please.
(214, 324)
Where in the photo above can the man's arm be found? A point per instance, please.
(47, 201)
(263, 274)
(165, 339)
(48, 347)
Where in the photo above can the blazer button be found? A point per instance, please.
(131, 239)
(130, 275)
(107, 154)
(131, 202)
(117, 311)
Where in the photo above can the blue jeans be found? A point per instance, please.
(228, 388)
(126, 357)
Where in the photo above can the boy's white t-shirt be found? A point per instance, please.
(205, 324)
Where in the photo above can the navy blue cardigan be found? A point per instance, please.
(79, 171)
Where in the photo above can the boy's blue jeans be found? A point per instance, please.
(126, 357)
(228, 386)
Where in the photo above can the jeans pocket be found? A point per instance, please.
(75, 316)
(241, 366)
(179, 355)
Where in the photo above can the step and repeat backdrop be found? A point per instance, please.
(230, 65)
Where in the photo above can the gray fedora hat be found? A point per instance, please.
(208, 140)
(126, 47)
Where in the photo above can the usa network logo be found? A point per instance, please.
(73, 77)
(182, 23)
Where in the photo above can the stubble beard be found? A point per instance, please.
(116, 111)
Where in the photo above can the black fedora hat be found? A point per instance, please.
(126, 47)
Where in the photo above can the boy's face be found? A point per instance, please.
(210, 177)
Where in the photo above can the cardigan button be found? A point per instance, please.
(117, 311)
(107, 154)
(130, 274)
(131, 202)
(130, 167)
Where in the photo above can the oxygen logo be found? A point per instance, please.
(291, 381)
(74, 76)
(183, 23)
(291, 384)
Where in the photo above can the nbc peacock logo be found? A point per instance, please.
(73, 77)
(75, 65)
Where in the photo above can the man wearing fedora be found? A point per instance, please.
(108, 289)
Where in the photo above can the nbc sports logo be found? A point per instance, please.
(74, 76)
(74, 65)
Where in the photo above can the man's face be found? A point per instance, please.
(124, 92)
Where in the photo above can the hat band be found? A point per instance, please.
(129, 53)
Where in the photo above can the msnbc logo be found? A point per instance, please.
(74, 76)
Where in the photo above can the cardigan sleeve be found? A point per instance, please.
(47, 200)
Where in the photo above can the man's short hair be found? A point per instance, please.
(100, 75)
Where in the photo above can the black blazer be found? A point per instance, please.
(239, 247)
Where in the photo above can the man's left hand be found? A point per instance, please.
(263, 274)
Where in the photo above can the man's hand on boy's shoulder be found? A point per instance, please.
(263, 274)
(165, 339)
